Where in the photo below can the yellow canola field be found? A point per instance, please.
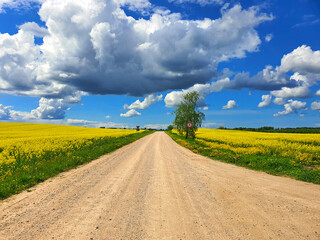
(29, 141)
(302, 148)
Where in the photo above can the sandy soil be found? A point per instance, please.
(156, 189)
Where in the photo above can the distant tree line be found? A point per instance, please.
(278, 130)
(150, 129)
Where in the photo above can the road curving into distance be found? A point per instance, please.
(156, 189)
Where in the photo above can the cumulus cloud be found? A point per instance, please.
(318, 93)
(85, 51)
(296, 92)
(34, 29)
(279, 101)
(205, 108)
(85, 48)
(174, 98)
(268, 37)
(130, 113)
(50, 109)
(151, 99)
(291, 107)
(266, 80)
(18, 55)
(231, 104)
(108, 117)
(4, 112)
(266, 101)
(315, 105)
(303, 62)
(305, 65)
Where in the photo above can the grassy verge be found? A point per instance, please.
(280, 166)
(25, 174)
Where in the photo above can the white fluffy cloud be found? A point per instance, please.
(85, 48)
(305, 65)
(315, 105)
(4, 112)
(267, 79)
(318, 93)
(231, 104)
(130, 113)
(291, 107)
(279, 101)
(266, 101)
(151, 99)
(174, 98)
(268, 37)
(50, 109)
(301, 60)
(18, 55)
(34, 29)
(296, 92)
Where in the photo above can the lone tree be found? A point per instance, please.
(170, 127)
(187, 112)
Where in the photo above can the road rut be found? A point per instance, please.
(156, 189)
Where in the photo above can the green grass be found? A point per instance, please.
(25, 175)
(274, 165)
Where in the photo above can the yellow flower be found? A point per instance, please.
(304, 148)
(30, 142)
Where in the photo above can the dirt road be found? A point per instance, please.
(156, 189)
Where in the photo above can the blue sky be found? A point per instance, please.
(122, 63)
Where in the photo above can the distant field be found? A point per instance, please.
(31, 153)
(290, 154)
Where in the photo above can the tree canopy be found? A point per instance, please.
(170, 127)
(186, 112)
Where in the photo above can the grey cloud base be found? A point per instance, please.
(94, 47)
(302, 61)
